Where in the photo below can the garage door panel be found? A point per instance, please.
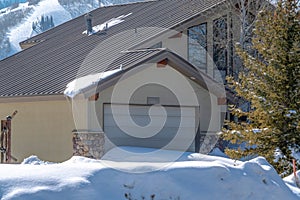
(175, 133)
(165, 133)
(144, 110)
(141, 123)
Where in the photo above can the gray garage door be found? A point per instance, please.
(167, 127)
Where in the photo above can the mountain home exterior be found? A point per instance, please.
(154, 44)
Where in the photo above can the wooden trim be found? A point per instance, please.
(27, 44)
(222, 101)
(162, 63)
(94, 97)
(177, 35)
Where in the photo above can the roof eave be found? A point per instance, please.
(32, 98)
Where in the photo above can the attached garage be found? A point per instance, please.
(160, 101)
(167, 127)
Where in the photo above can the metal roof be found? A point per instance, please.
(64, 53)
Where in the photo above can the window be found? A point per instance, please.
(153, 100)
(197, 45)
(220, 45)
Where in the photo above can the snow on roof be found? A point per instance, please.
(76, 86)
(210, 177)
(108, 24)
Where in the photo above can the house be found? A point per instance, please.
(156, 87)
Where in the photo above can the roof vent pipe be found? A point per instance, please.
(88, 20)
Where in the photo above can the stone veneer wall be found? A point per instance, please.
(88, 144)
(208, 142)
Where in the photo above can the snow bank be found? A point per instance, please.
(193, 178)
(137, 154)
(34, 160)
(291, 183)
(218, 152)
(76, 86)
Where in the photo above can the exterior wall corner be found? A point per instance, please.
(88, 144)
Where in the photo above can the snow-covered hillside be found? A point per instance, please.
(192, 177)
(24, 30)
(7, 3)
(16, 21)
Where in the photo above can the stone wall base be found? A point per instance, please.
(208, 143)
(88, 144)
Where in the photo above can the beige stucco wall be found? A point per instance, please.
(80, 112)
(42, 128)
(177, 44)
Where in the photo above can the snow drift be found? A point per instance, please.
(197, 177)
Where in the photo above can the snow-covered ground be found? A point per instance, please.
(45, 7)
(290, 182)
(192, 177)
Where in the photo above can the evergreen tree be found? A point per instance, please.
(42, 23)
(271, 83)
(51, 22)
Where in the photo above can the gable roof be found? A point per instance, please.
(47, 67)
(134, 59)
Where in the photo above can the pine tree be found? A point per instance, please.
(271, 83)
(51, 22)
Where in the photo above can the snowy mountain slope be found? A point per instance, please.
(24, 30)
(194, 177)
(78, 7)
(7, 3)
(8, 18)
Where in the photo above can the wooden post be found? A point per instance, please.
(295, 174)
(2, 141)
(5, 139)
(8, 149)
